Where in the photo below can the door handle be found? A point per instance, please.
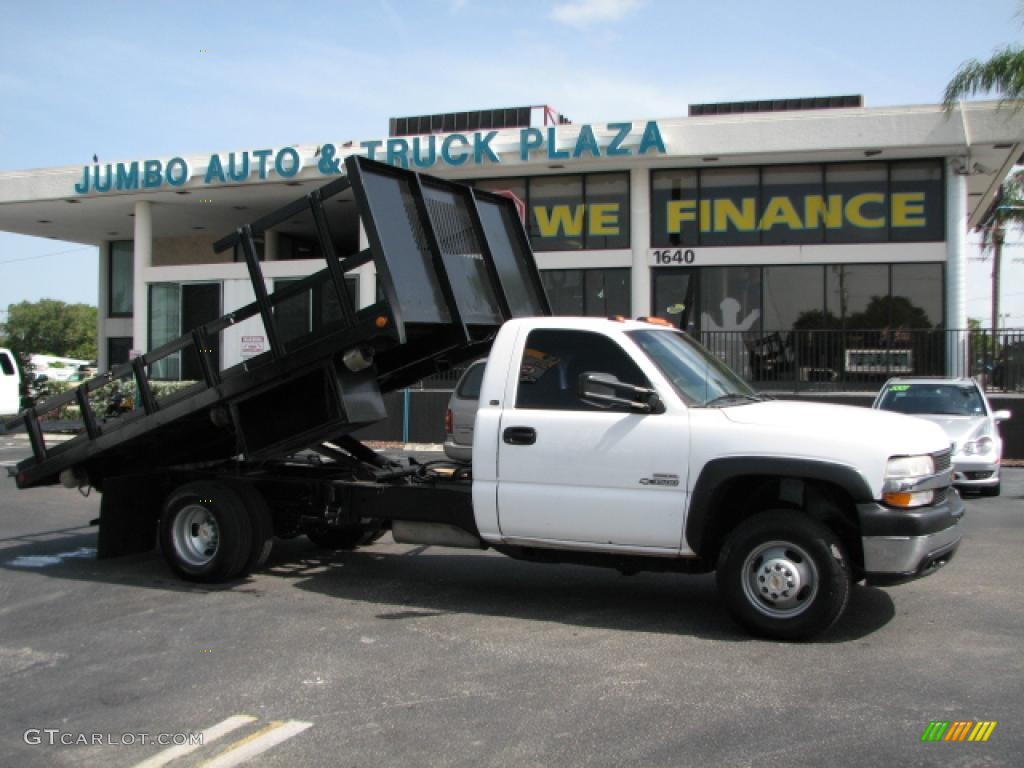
(520, 435)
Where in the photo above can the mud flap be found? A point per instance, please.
(128, 515)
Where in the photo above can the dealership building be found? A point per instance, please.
(747, 224)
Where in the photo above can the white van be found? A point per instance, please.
(10, 384)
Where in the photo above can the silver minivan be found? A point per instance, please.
(461, 414)
(10, 384)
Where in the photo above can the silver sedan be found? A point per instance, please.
(960, 407)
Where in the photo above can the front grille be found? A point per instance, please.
(978, 475)
(940, 496)
(942, 460)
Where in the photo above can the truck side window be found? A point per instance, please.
(6, 365)
(553, 361)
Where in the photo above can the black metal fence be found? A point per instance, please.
(854, 360)
(861, 360)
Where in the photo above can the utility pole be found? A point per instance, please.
(998, 237)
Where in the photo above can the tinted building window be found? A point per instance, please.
(794, 297)
(674, 208)
(901, 201)
(589, 292)
(515, 186)
(858, 294)
(607, 201)
(729, 205)
(730, 299)
(786, 190)
(917, 293)
(917, 201)
(855, 194)
(675, 300)
(122, 277)
(569, 213)
(557, 213)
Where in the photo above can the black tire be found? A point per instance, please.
(205, 532)
(261, 524)
(784, 575)
(991, 490)
(345, 537)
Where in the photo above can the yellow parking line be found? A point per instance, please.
(210, 735)
(247, 748)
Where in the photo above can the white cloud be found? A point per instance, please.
(583, 13)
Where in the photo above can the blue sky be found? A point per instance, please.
(126, 80)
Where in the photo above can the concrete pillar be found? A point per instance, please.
(270, 242)
(956, 270)
(143, 259)
(640, 240)
(103, 307)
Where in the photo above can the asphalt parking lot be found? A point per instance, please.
(400, 655)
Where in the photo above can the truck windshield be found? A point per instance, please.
(699, 377)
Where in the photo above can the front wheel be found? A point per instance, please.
(784, 575)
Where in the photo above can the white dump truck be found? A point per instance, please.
(606, 442)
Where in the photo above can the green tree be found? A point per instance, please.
(51, 327)
(1002, 74)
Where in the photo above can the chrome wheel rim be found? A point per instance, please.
(780, 579)
(196, 535)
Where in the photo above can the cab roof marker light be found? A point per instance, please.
(655, 321)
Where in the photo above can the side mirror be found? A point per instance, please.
(1001, 415)
(605, 390)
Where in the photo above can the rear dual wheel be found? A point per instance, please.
(214, 531)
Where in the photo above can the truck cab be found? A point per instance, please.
(630, 440)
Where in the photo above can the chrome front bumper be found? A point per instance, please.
(896, 559)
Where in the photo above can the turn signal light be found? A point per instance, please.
(449, 422)
(381, 321)
(906, 499)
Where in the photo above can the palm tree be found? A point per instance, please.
(1003, 73)
(1006, 213)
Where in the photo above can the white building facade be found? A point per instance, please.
(742, 228)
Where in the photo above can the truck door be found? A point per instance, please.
(573, 471)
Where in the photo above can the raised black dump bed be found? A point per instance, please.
(453, 263)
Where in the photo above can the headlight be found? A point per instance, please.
(910, 466)
(980, 447)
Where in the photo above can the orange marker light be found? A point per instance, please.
(381, 322)
(656, 321)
